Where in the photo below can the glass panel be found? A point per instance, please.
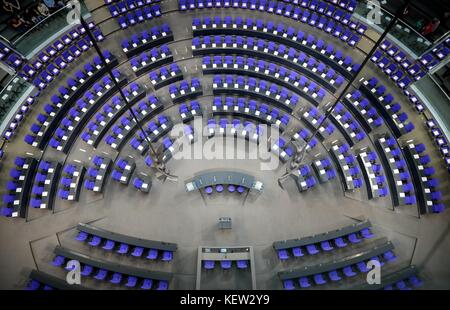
(404, 35)
(46, 30)
(9, 95)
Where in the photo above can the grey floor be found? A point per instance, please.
(170, 214)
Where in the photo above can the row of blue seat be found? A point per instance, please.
(124, 248)
(324, 169)
(16, 198)
(185, 89)
(146, 39)
(42, 130)
(126, 124)
(432, 58)
(45, 184)
(347, 166)
(373, 174)
(129, 17)
(165, 76)
(188, 111)
(362, 109)
(151, 59)
(61, 52)
(96, 174)
(288, 37)
(348, 271)
(336, 22)
(234, 128)
(267, 70)
(325, 245)
(273, 92)
(429, 198)
(19, 117)
(225, 264)
(305, 178)
(113, 277)
(349, 126)
(74, 121)
(252, 109)
(154, 129)
(316, 120)
(123, 169)
(97, 127)
(440, 140)
(71, 181)
(376, 92)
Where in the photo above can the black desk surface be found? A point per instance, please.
(288, 42)
(329, 235)
(135, 241)
(350, 260)
(382, 110)
(67, 104)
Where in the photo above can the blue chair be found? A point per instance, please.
(101, 274)
(242, 264)
(334, 276)
(312, 249)
(208, 190)
(58, 261)
(326, 246)
(95, 241)
(366, 233)
(208, 264)
(362, 267)
(82, 236)
(401, 285)
(225, 264)
(131, 281)
(353, 238)
(319, 279)
(340, 243)
(87, 270)
(389, 256)
(167, 256)
(288, 285)
(33, 285)
(137, 251)
(415, 282)
(348, 271)
(297, 252)
(304, 282)
(162, 286)
(283, 254)
(152, 254)
(147, 284)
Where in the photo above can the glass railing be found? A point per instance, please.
(10, 94)
(43, 32)
(403, 34)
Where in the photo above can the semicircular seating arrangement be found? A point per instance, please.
(262, 136)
